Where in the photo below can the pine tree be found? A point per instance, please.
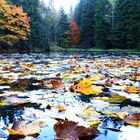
(51, 21)
(133, 24)
(87, 24)
(103, 20)
(78, 13)
(119, 31)
(63, 30)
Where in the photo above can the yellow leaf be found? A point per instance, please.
(121, 115)
(94, 123)
(131, 89)
(61, 108)
(85, 86)
(3, 103)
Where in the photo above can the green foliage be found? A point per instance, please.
(109, 23)
(87, 23)
(63, 30)
(103, 23)
(126, 25)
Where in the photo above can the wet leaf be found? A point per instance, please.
(19, 128)
(116, 98)
(61, 108)
(20, 85)
(121, 115)
(85, 87)
(131, 89)
(57, 84)
(70, 130)
(94, 123)
(133, 119)
(3, 103)
(72, 88)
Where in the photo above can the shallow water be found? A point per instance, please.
(46, 66)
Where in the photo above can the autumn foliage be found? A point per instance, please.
(75, 33)
(14, 23)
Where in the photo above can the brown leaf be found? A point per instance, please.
(57, 83)
(133, 119)
(72, 88)
(20, 85)
(19, 128)
(70, 130)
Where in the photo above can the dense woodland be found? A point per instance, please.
(30, 25)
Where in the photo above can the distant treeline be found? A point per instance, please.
(107, 24)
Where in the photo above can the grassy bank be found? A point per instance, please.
(56, 48)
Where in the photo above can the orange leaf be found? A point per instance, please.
(57, 84)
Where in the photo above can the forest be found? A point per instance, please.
(31, 25)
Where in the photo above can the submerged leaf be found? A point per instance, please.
(70, 130)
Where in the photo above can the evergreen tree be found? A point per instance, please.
(78, 13)
(87, 24)
(133, 24)
(103, 21)
(51, 21)
(119, 31)
(63, 30)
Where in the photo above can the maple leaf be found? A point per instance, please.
(70, 130)
(133, 119)
(85, 86)
(19, 128)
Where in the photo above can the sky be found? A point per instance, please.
(66, 4)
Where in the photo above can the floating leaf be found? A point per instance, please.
(116, 98)
(133, 119)
(121, 115)
(20, 85)
(3, 103)
(85, 86)
(70, 130)
(131, 89)
(94, 123)
(57, 83)
(19, 128)
(61, 108)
